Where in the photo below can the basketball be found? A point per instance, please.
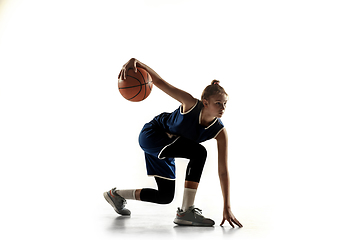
(137, 86)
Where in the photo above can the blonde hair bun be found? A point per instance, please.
(215, 82)
(213, 89)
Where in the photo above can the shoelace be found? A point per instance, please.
(197, 211)
(114, 193)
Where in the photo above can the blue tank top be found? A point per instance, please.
(188, 124)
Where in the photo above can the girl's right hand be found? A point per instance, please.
(132, 63)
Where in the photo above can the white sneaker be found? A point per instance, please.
(192, 217)
(117, 202)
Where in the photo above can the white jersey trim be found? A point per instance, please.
(218, 132)
(212, 123)
(166, 147)
(161, 177)
(189, 109)
(215, 120)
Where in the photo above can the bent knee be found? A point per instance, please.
(201, 152)
(166, 198)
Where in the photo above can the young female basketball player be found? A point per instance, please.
(179, 134)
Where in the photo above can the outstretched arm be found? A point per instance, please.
(222, 143)
(185, 98)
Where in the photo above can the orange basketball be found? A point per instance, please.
(137, 86)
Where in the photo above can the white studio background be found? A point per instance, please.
(291, 69)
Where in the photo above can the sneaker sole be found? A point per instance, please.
(124, 211)
(190, 223)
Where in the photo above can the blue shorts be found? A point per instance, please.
(153, 140)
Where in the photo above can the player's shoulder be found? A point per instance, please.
(221, 135)
(220, 122)
(189, 104)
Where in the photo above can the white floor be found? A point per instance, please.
(71, 206)
(151, 220)
(82, 215)
(64, 201)
(155, 220)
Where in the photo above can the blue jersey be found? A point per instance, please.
(188, 124)
(160, 133)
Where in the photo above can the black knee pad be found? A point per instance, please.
(166, 197)
(201, 153)
(166, 189)
(191, 150)
(196, 164)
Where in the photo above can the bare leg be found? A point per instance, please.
(191, 184)
(137, 194)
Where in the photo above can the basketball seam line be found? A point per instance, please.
(141, 84)
(136, 85)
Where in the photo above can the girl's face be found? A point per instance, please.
(216, 105)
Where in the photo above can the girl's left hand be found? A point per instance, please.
(229, 216)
